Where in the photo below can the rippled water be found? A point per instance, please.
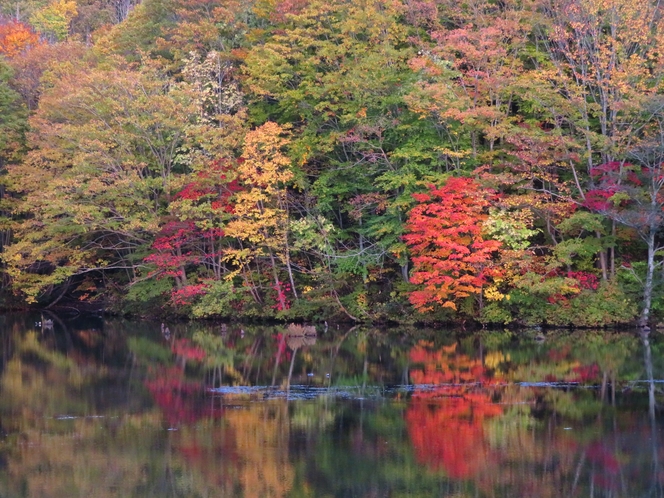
(113, 408)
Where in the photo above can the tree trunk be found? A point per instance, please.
(280, 293)
(602, 259)
(289, 268)
(612, 250)
(648, 285)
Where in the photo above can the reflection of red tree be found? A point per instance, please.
(568, 369)
(181, 401)
(559, 354)
(184, 348)
(282, 352)
(446, 423)
(448, 435)
(584, 374)
(605, 466)
(444, 366)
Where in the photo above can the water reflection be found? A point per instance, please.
(94, 408)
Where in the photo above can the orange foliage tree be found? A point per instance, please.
(15, 38)
(445, 239)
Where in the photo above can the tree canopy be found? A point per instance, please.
(378, 160)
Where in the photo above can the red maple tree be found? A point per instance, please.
(445, 239)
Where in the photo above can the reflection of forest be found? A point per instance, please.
(94, 409)
(63, 439)
(467, 422)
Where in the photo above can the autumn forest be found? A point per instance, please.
(497, 161)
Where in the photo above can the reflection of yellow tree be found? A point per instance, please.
(47, 455)
(261, 440)
(245, 453)
(78, 458)
(86, 455)
(38, 390)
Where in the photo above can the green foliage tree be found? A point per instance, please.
(13, 126)
(13, 117)
(338, 72)
(53, 20)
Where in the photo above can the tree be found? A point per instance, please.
(13, 116)
(600, 73)
(193, 239)
(338, 72)
(53, 20)
(16, 38)
(468, 77)
(260, 212)
(632, 194)
(29, 68)
(13, 127)
(93, 15)
(448, 249)
(106, 146)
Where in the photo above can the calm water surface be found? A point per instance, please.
(92, 408)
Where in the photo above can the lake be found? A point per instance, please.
(97, 408)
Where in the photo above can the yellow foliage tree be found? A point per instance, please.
(261, 210)
(53, 20)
